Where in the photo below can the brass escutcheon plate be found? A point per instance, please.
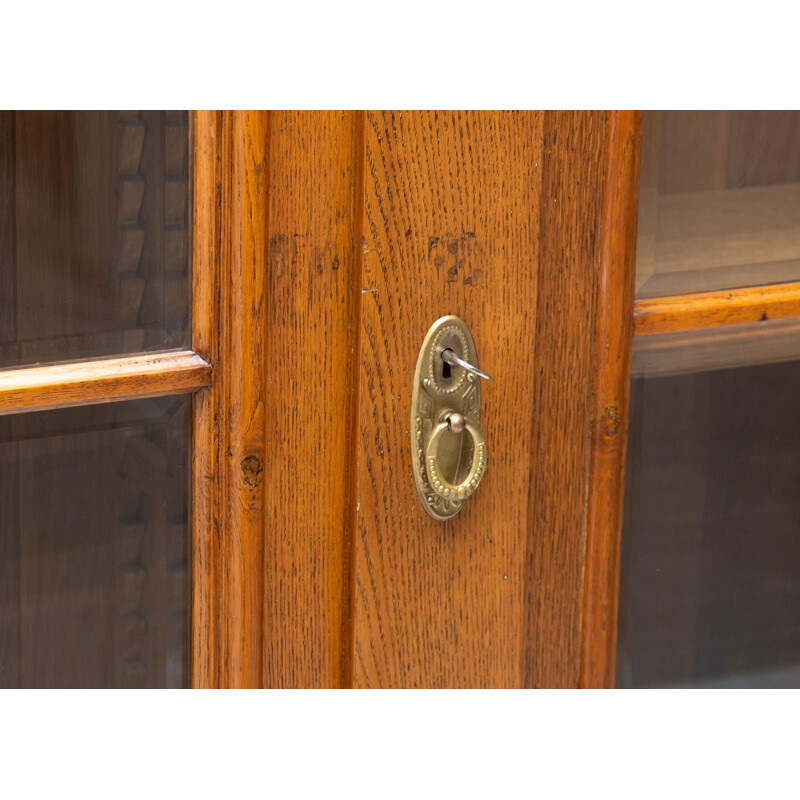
(439, 388)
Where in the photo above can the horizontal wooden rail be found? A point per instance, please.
(103, 380)
(712, 309)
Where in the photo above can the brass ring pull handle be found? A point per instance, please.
(455, 492)
(446, 394)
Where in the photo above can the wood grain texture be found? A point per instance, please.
(206, 470)
(611, 394)
(493, 217)
(242, 414)
(312, 318)
(563, 363)
(712, 309)
(231, 160)
(101, 381)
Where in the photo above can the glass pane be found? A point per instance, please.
(719, 201)
(94, 568)
(710, 589)
(94, 233)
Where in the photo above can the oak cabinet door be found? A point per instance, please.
(335, 240)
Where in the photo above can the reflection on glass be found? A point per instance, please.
(94, 571)
(94, 233)
(719, 201)
(710, 590)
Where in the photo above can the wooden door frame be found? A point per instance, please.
(230, 246)
(614, 337)
(229, 441)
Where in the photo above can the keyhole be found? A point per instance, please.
(446, 370)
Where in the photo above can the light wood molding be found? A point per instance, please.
(712, 309)
(231, 173)
(314, 290)
(611, 395)
(206, 500)
(101, 380)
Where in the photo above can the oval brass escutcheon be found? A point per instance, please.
(447, 445)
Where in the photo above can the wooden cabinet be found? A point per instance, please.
(322, 247)
(334, 241)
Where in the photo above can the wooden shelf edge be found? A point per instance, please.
(713, 309)
(78, 383)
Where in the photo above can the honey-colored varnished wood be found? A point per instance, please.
(713, 309)
(611, 394)
(561, 409)
(230, 223)
(206, 499)
(324, 246)
(493, 217)
(242, 446)
(101, 380)
(312, 319)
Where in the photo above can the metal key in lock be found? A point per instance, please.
(449, 451)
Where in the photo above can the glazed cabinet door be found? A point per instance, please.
(711, 544)
(210, 330)
(95, 306)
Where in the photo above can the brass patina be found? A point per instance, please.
(447, 445)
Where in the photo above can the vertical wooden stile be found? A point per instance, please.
(312, 318)
(611, 396)
(231, 174)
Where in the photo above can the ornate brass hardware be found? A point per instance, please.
(449, 451)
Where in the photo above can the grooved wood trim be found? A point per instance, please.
(103, 380)
(244, 301)
(712, 309)
(312, 319)
(611, 397)
(562, 375)
(231, 177)
(206, 508)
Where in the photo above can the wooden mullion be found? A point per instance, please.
(713, 309)
(229, 442)
(101, 380)
(206, 505)
(611, 397)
